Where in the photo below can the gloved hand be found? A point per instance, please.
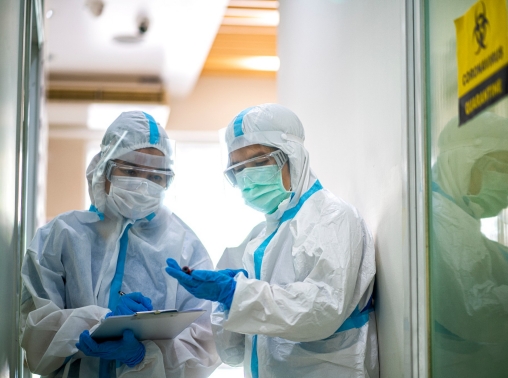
(233, 272)
(204, 284)
(127, 350)
(130, 303)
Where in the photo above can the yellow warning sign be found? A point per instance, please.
(482, 57)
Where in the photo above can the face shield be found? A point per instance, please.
(275, 159)
(137, 159)
(275, 126)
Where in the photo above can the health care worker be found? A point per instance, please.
(80, 263)
(296, 297)
(469, 270)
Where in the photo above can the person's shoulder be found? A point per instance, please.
(176, 226)
(70, 224)
(74, 218)
(325, 204)
(174, 221)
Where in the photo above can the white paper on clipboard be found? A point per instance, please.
(147, 325)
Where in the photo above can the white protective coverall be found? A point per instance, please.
(306, 309)
(469, 272)
(69, 267)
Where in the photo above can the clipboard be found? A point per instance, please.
(147, 325)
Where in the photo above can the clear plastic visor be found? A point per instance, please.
(158, 176)
(147, 160)
(278, 158)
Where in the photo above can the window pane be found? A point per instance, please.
(202, 197)
(468, 260)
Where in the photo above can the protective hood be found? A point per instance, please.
(459, 149)
(276, 126)
(129, 132)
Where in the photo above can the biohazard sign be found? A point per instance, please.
(482, 57)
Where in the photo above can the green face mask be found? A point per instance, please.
(493, 196)
(262, 187)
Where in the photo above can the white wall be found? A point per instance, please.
(343, 72)
(217, 99)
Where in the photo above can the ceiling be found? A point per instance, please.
(246, 42)
(183, 40)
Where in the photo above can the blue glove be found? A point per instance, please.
(205, 284)
(233, 272)
(127, 350)
(131, 303)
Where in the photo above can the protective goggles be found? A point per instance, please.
(278, 158)
(157, 176)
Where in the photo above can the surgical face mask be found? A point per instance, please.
(493, 195)
(262, 187)
(133, 197)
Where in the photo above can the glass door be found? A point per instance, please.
(468, 220)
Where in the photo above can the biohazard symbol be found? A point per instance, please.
(480, 29)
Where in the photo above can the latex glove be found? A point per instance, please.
(204, 284)
(127, 350)
(130, 303)
(233, 272)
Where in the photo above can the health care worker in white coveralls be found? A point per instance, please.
(295, 299)
(78, 265)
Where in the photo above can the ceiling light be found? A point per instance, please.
(49, 13)
(95, 6)
(260, 63)
(126, 38)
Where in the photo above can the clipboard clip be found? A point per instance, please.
(155, 312)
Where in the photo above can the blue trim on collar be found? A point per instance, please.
(288, 215)
(149, 217)
(154, 130)
(258, 260)
(95, 210)
(237, 124)
(116, 283)
(436, 188)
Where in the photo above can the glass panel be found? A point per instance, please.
(468, 216)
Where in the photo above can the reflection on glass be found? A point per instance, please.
(468, 271)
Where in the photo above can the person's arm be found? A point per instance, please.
(192, 354)
(231, 345)
(49, 332)
(339, 254)
(471, 274)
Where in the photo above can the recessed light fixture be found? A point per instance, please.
(49, 13)
(260, 63)
(126, 38)
(95, 6)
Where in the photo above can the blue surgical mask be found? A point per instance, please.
(493, 196)
(262, 187)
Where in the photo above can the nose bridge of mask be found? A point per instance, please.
(136, 184)
(495, 180)
(257, 175)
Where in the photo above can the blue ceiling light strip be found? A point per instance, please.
(95, 210)
(237, 125)
(154, 130)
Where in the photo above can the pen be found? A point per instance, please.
(187, 270)
(121, 293)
